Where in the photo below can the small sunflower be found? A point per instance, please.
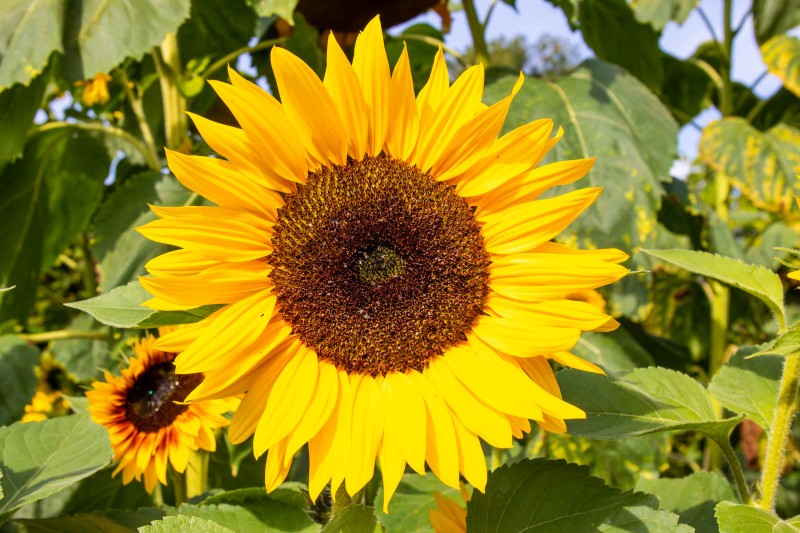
(148, 429)
(48, 400)
(95, 90)
(449, 516)
(389, 283)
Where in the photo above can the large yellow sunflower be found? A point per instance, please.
(389, 283)
(147, 428)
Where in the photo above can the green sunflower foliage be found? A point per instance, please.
(689, 393)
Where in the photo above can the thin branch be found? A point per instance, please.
(63, 334)
(138, 110)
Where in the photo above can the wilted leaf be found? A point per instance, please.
(692, 497)
(755, 280)
(762, 164)
(639, 402)
(782, 56)
(17, 380)
(40, 459)
(749, 385)
(739, 518)
(542, 495)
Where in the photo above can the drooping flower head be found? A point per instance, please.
(148, 429)
(389, 283)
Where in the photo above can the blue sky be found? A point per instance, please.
(537, 17)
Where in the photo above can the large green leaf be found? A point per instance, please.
(121, 251)
(542, 495)
(181, 524)
(85, 358)
(659, 12)
(18, 105)
(30, 30)
(762, 164)
(738, 518)
(685, 88)
(642, 401)
(610, 28)
(692, 497)
(608, 114)
(408, 510)
(108, 522)
(101, 491)
(785, 345)
(99, 34)
(782, 56)
(122, 308)
(759, 397)
(17, 380)
(615, 351)
(49, 197)
(40, 459)
(207, 34)
(775, 16)
(755, 280)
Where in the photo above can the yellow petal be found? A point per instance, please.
(322, 452)
(306, 102)
(558, 313)
(368, 423)
(471, 460)
(573, 361)
(179, 263)
(402, 137)
(212, 286)
(405, 418)
(392, 467)
(524, 340)
(431, 95)
(319, 409)
(372, 69)
(610, 255)
(276, 470)
(345, 90)
(523, 227)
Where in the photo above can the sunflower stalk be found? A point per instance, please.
(168, 64)
(478, 31)
(779, 434)
(196, 475)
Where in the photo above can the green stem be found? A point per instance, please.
(197, 474)
(178, 487)
(168, 64)
(433, 41)
(779, 432)
(88, 274)
(224, 60)
(736, 469)
(152, 161)
(477, 30)
(138, 111)
(726, 98)
(343, 499)
(63, 334)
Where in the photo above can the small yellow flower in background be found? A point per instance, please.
(148, 429)
(449, 516)
(48, 401)
(385, 263)
(95, 90)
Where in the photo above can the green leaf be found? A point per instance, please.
(18, 106)
(762, 164)
(642, 401)
(739, 518)
(42, 458)
(49, 196)
(99, 34)
(759, 398)
(608, 114)
(772, 17)
(17, 380)
(658, 12)
(541, 495)
(634, 46)
(685, 89)
(120, 250)
(110, 522)
(420, 54)
(181, 524)
(122, 308)
(30, 30)
(786, 345)
(85, 358)
(782, 56)
(615, 351)
(755, 280)
(282, 8)
(354, 518)
(207, 34)
(101, 491)
(692, 497)
(408, 510)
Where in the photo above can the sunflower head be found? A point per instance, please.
(385, 263)
(148, 428)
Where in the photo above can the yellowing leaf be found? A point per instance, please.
(782, 56)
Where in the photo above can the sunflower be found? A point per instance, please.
(389, 285)
(148, 429)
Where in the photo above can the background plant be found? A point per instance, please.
(696, 413)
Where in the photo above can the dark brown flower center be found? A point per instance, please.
(377, 266)
(151, 401)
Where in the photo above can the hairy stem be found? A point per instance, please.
(138, 111)
(779, 432)
(736, 469)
